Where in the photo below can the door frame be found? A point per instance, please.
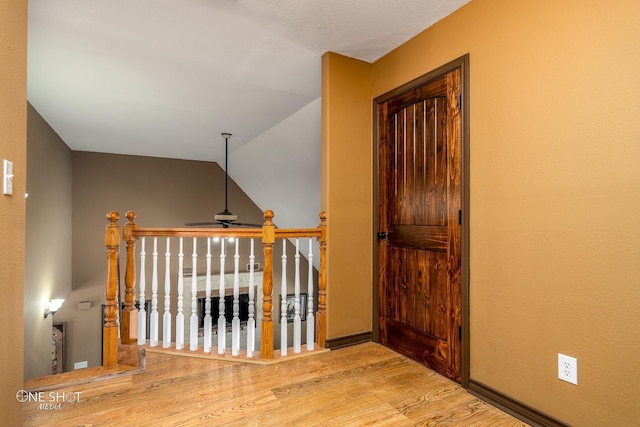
(462, 63)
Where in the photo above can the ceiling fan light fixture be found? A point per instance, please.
(225, 215)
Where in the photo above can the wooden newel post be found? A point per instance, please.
(321, 316)
(268, 239)
(129, 319)
(110, 327)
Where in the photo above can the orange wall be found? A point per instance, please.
(13, 137)
(555, 194)
(347, 192)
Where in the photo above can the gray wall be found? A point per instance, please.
(48, 243)
(163, 193)
(71, 192)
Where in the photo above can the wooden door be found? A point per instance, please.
(419, 215)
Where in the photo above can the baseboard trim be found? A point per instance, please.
(512, 406)
(348, 340)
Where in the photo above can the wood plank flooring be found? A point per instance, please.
(366, 384)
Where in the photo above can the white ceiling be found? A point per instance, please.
(164, 78)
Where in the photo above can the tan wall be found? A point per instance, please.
(347, 192)
(555, 195)
(47, 243)
(13, 137)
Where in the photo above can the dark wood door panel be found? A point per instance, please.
(435, 88)
(417, 295)
(420, 196)
(418, 169)
(417, 345)
(428, 237)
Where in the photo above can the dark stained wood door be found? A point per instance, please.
(419, 222)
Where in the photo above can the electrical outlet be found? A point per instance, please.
(568, 368)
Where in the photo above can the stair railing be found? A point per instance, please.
(132, 321)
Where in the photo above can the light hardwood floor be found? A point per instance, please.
(365, 384)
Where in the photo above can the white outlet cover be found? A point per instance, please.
(7, 178)
(568, 368)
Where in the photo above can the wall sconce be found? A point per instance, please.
(53, 306)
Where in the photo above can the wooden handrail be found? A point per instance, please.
(268, 234)
(291, 233)
(199, 232)
(287, 233)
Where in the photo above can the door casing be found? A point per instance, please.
(462, 63)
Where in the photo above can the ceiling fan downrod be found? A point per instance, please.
(226, 216)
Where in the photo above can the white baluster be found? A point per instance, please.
(310, 317)
(251, 322)
(193, 320)
(297, 322)
(180, 315)
(283, 301)
(166, 317)
(207, 303)
(153, 340)
(142, 312)
(235, 323)
(222, 323)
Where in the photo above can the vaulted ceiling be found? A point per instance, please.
(164, 78)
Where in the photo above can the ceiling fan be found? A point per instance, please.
(225, 218)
